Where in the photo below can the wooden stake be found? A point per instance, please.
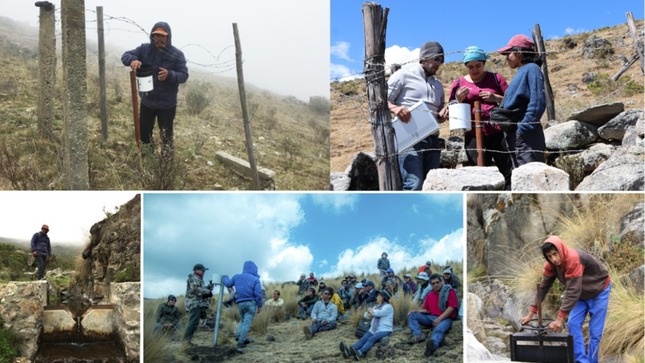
(548, 92)
(135, 108)
(637, 43)
(479, 138)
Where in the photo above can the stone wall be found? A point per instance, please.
(21, 308)
(125, 298)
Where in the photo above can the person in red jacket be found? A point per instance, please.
(587, 287)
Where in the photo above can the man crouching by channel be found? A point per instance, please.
(587, 288)
(248, 298)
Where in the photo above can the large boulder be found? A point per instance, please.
(339, 182)
(598, 115)
(623, 171)
(475, 318)
(464, 179)
(615, 129)
(590, 158)
(570, 135)
(635, 136)
(539, 176)
(477, 352)
(632, 226)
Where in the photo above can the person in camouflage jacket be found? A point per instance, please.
(197, 295)
(167, 316)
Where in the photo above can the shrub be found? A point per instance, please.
(319, 105)
(8, 345)
(131, 273)
(197, 100)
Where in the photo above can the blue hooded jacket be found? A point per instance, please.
(247, 284)
(164, 93)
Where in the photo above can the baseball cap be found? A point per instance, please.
(369, 283)
(359, 285)
(389, 270)
(160, 30)
(199, 266)
(519, 40)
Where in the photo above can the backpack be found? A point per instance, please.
(363, 327)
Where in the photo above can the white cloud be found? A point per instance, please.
(363, 259)
(401, 55)
(337, 71)
(220, 231)
(337, 202)
(340, 49)
(571, 31)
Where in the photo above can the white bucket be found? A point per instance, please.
(459, 116)
(144, 84)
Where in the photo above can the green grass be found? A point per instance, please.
(8, 345)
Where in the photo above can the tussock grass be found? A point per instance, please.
(155, 348)
(624, 331)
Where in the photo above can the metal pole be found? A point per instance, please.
(102, 84)
(219, 310)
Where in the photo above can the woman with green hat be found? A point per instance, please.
(488, 88)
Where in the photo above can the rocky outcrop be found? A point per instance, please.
(361, 174)
(125, 298)
(570, 135)
(114, 252)
(21, 308)
(623, 171)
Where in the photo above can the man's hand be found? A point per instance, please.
(527, 319)
(163, 74)
(34, 253)
(556, 325)
(443, 115)
(402, 113)
(436, 322)
(135, 65)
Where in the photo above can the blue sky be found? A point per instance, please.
(411, 23)
(287, 234)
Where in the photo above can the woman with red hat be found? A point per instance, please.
(525, 98)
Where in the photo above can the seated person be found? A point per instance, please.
(335, 298)
(345, 292)
(449, 278)
(438, 311)
(322, 286)
(306, 304)
(312, 280)
(389, 288)
(426, 268)
(370, 294)
(382, 315)
(389, 276)
(423, 290)
(276, 300)
(357, 299)
(167, 316)
(409, 286)
(323, 316)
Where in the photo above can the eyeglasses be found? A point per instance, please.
(438, 59)
(326, 293)
(435, 283)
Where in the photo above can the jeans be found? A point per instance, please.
(525, 146)
(42, 264)
(193, 321)
(597, 310)
(305, 311)
(316, 327)
(416, 319)
(368, 340)
(165, 118)
(416, 162)
(247, 312)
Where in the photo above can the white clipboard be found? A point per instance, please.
(422, 123)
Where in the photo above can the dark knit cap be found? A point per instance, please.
(430, 50)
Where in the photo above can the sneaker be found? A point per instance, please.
(416, 339)
(357, 354)
(308, 333)
(239, 350)
(344, 350)
(430, 348)
(354, 353)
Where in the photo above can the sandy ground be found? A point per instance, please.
(290, 346)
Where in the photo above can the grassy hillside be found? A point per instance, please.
(291, 137)
(350, 130)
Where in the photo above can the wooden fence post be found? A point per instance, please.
(46, 67)
(75, 104)
(637, 44)
(245, 111)
(548, 92)
(102, 86)
(387, 164)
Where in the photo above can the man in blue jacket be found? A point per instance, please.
(168, 66)
(248, 298)
(41, 249)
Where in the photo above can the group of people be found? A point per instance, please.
(512, 134)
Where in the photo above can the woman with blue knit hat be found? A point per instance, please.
(488, 88)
